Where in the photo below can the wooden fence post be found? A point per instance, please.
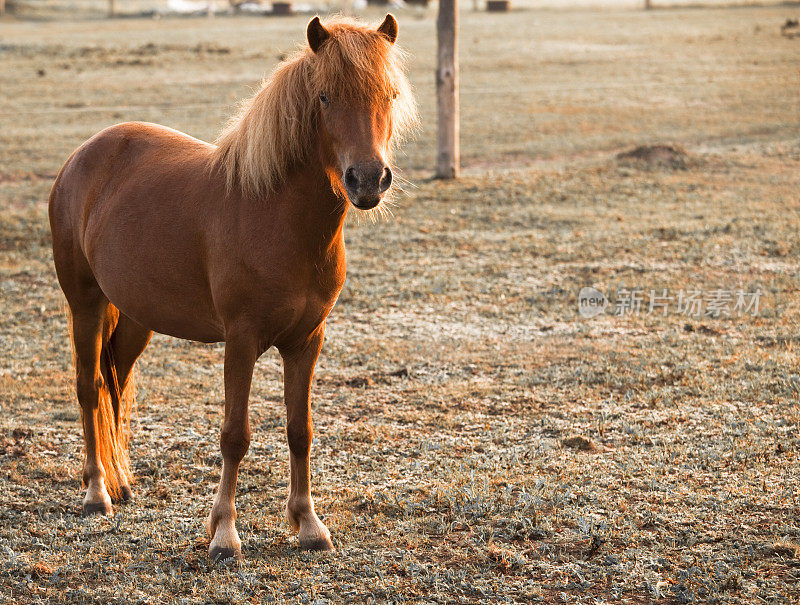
(112, 8)
(2, 7)
(447, 160)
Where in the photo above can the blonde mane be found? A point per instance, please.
(276, 128)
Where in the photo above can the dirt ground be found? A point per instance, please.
(477, 438)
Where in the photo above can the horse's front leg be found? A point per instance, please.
(298, 366)
(240, 357)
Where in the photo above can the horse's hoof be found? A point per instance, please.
(318, 544)
(96, 508)
(218, 554)
(126, 495)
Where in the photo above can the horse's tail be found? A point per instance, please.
(115, 403)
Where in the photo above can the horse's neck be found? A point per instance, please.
(308, 205)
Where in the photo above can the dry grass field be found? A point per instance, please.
(477, 440)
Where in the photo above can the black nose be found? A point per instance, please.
(366, 182)
(386, 180)
(351, 179)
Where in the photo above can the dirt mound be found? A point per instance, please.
(791, 29)
(656, 156)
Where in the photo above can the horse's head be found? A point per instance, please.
(363, 99)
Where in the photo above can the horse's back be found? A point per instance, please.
(111, 156)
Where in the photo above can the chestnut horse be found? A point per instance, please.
(241, 242)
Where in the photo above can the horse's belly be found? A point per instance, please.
(165, 312)
(200, 329)
(162, 287)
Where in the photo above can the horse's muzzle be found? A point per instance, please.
(366, 182)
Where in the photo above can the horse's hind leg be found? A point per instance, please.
(126, 343)
(93, 320)
(88, 319)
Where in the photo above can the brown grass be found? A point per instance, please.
(456, 363)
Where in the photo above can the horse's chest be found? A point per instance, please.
(320, 290)
(329, 281)
(288, 299)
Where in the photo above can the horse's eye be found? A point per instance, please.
(324, 99)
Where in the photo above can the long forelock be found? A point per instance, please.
(276, 127)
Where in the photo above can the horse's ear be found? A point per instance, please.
(316, 34)
(389, 28)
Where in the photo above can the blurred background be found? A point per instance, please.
(540, 82)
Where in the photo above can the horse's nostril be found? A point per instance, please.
(350, 179)
(386, 179)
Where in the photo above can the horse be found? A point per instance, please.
(240, 242)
